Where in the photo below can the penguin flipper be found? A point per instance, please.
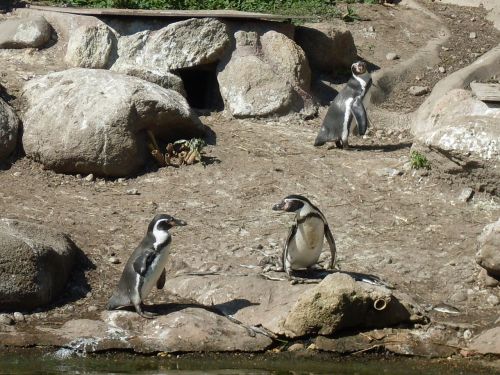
(359, 112)
(284, 256)
(142, 263)
(331, 243)
(161, 280)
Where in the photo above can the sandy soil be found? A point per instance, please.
(410, 229)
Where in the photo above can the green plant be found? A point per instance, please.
(419, 161)
(350, 15)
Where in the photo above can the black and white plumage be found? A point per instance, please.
(304, 242)
(347, 103)
(146, 266)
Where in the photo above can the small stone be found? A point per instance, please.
(442, 69)
(418, 90)
(445, 48)
(132, 192)
(78, 175)
(417, 78)
(371, 29)
(18, 317)
(114, 260)
(487, 280)
(493, 300)
(389, 172)
(6, 319)
(121, 180)
(16, 174)
(466, 194)
(473, 35)
(312, 347)
(89, 178)
(392, 56)
(467, 334)
(92, 308)
(473, 19)
(459, 296)
(296, 347)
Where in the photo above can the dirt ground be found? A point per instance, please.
(410, 229)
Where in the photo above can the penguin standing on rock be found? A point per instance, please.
(146, 266)
(304, 243)
(347, 103)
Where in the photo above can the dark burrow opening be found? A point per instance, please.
(202, 87)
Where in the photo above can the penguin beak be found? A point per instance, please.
(178, 223)
(279, 206)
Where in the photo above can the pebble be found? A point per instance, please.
(418, 90)
(445, 48)
(493, 300)
(466, 194)
(16, 174)
(473, 35)
(89, 178)
(18, 317)
(459, 296)
(92, 308)
(296, 347)
(132, 192)
(442, 69)
(467, 334)
(78, 175)
(114, 260)
(389, 172)
(312, 347)
(121, 180)
(417, 78)
(371, 29)
(6, 319)
(392, 56)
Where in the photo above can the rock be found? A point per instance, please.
(132, 192)
(6, 319)
(388, 172)
(461, 125)
(296, 347)
(89, 178)
(441, 69)
(472, 35)
(90, 46)
(33, 32)
(418, 90)
(183, 44)
(459, 296)
(488, 342)
(114, 260)
(178, 330)
(164, 79)
(493, 300)
(466, 194)
(98, 120)
(252, 70)
(338, 303)
(328, 46)
(488, 255)
(9, 129)
(18, 317)
(391, 56)
(35, 263)
(487, 280)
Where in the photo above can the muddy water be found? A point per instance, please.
(59, 363)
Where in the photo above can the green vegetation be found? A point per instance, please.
(325, 9)
(419, 161)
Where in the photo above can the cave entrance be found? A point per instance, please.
(202, 87)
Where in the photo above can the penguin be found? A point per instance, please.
(146, 266)
(304, 242)
(347, 103)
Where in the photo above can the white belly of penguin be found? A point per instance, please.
(305, 248)
(154, 272)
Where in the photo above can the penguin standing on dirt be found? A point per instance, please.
(304, 243)
(347, 103)
(146, 266)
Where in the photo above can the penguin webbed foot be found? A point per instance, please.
(144, 314)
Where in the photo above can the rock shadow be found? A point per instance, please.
(385, 148)
(320, 274)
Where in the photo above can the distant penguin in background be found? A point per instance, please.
(304, 242)
(146, 266)
(348, 102)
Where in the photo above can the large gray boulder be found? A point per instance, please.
(488, 254)
(264, 76)
(462, 125)
(90, 46)
(32, 32)
(488, 342)
(164, 79)
(184, 44)
(95, 121)
(35, 263)
(328, 46)
(338, 303)
(9, 124)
